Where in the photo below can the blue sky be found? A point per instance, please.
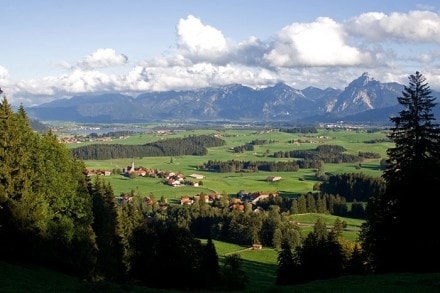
(56, 49)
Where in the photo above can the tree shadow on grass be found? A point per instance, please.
(371, 167)
(288, 194)
(260, 276)
(309, 177)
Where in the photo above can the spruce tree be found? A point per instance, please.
(234, 277)
(302, 204)
(23, 211)
(410, 202)
(321, 255)
(110, 251)
(286, 265)
(210, 268)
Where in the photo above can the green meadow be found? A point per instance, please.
(293, 183)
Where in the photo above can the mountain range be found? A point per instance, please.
(364, 100)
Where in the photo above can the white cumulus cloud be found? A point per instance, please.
(320, 43)
(414, 26)
(200, 41)
(102, 58)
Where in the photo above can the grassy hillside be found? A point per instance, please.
(16, 279)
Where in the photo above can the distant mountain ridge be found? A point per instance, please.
(364, 100)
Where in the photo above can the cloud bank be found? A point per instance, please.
(322, 53)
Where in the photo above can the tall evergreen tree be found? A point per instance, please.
(302, 204)
(23, 211)
(286, 264)
(110, 252)
(321, 255)
(410, 202)
(210, 268)
(234, 277)
(129, 220)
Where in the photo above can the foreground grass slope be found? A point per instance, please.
(16, 278)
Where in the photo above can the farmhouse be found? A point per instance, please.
(273, 178)
(186, 200)
(197, 176)
(257, 196)
(257, 246)
(173, 182)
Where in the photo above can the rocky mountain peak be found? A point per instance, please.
(362, 81)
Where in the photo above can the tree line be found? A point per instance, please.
(353, 186)
(302, 129)
(247, 166)
(326, 153)
(192, 145)
(308, 159)
(250, 145)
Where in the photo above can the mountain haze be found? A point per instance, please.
(364, 100)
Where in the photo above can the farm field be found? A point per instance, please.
(292, 183)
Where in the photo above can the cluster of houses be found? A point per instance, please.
(170, 178)
(189, 200)
(251, 197)
(178, 179)
(236, 203)
(92, 172)
(80, 138)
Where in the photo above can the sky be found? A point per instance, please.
(51, 49)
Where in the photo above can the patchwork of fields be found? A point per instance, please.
(292, 183)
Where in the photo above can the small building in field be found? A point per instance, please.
(273, 178)
(257, 246)
(197, 176)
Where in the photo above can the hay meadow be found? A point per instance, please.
(292, 184)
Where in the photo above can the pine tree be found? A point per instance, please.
(338, 227)
(415, 134)
(286, 264)
(294, 207)
(321, 255)
(302, 204)
(311, 203)
(110, 252)
(356, 264)
(23, 211)
(210, 268)
(412, 181)
(234, 277)
(129, 220)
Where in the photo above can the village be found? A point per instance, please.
(174, 179)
